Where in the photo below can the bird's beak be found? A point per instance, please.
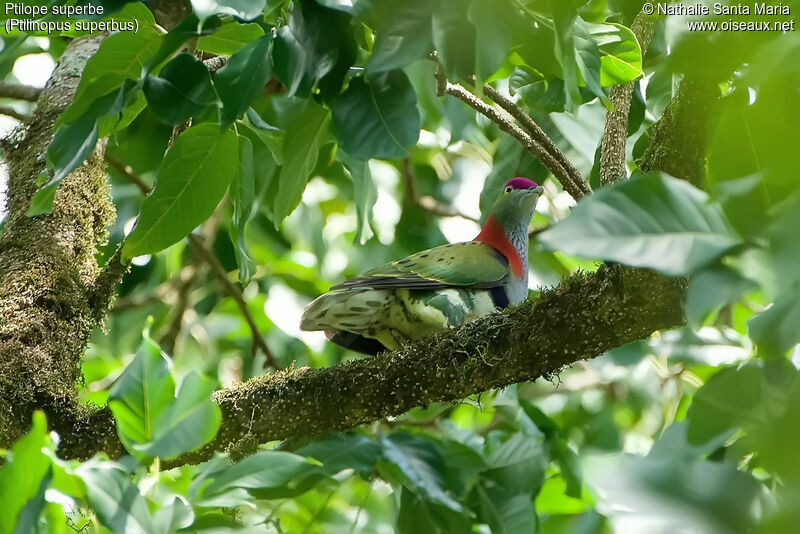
(538, 189)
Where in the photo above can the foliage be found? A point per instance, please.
(312, 155)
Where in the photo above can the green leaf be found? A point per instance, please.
(454, 37)
(121, 56)
(304, 138)
(70, 147)
(73, 143)
(777, 329)
(493, 39)
(588, 60)
(310, 47)
(270, 136)
(114, 499)
(22, 475)
(241, 9)
(403, 35)
(651, 221)
(150, 420)
(229, 38)
(620, 55)
(418, 514)
(242, 79)
(377, 117)
(141, 394)
(191, 420)
(174, 516)
(344, 451)
(365, 195)
(506, 513)
(192, 179)
(564, 17)
(519, 464)
(711, 289)
(181, 90)
(730, 399)
(268, 474)
(242, 199)
(711, 496)
(421, 464)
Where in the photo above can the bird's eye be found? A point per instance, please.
(508, 189)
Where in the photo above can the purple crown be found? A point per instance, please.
(521, 183)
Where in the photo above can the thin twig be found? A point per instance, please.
(234, 292)
(615, 132)
(445, 87)
(128, 174)
(184, 289)
(533, 129)
(19, 91)
(11, 112)
(426, 202)
(211, 259)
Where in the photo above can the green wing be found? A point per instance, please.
(472, 264)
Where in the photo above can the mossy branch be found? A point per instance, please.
(583, 317)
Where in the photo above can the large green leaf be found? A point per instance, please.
(420, 464)
(649, 491)
(311, 47)
(75, 142)
(649, 221)
(711, 289)
(777, 329)
(141, 394)
(506, 513)
(344, 451)
(150, 420)
(191, 181)
(403, 35)
(519, 464)
(120, 56)
(454, 37)
(304, 138)
(365, 195)
(732, 398)
(115, 501)
(229, 38)
(620, 55)
(419, 514)
(21, 477)
(493, 39)
(241, 9)
(377, 117)
(181, 90)
(564, 17)
(270, 474)
(243, 196)
(242, 79)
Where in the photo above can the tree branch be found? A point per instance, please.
(236, 295)
(19, 92)
(615, 132)
(13, 113)
(426, 202)
(583, 317)
(533, 129)
(548, 160)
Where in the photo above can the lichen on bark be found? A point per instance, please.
(47, 262)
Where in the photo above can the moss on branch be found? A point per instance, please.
(583, 317)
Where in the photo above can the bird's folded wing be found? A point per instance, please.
(473, 264)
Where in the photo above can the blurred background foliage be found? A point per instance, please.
(694, 430)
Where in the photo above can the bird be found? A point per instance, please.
(435, 289)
